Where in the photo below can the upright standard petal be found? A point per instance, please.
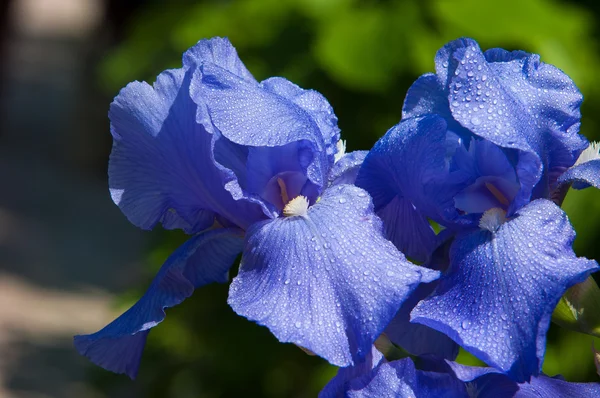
(162, 166)
(313, 103)
(428, 96)
(328, 280)
(203, 259)
(498, 295)
(397, 172)
(516, 101)
(218, 51)
(250, 114)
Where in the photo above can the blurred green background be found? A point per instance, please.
(362, 55)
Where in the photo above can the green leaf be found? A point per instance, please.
(579, 308)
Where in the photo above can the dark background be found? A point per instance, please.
(69, 260)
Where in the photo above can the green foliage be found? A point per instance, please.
(362, 55)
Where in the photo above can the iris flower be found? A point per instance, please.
(255, 168)
(484, 147)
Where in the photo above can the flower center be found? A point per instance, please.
(296, 207)
(492, 219)
(486, 193)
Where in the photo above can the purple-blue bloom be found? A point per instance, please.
(483, 147)
(435, 378)
(254, 168)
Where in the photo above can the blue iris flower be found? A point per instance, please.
(376, 377)
(484, 146)
(254, 168)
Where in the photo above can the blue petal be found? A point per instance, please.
(498, 295)
(249, 114)
(314, 104)
(428, 96)
(548, 387)
(516, 101)
(406, 174)
(327, 281)
(419, 339)
(218, 51)
(550, 95)
(401, 379)
(345, 170)
(482, 382)
(162, 168)
(488, 383)
(408, 229)
(403, 160)
(203, 259)
(339, 384)
(583, 175)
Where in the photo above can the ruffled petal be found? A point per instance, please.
(203, 259)
(345, 170)
(250, 115)
(498, 295)
(327, 281)
(428, 96)
(583, 175)
(218, 51)
(550, 95)
(314, 104)
(162, 168)
(516, 101)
